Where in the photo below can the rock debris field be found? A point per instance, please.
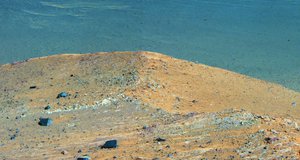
(142, 106)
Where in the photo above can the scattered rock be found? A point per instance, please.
(149, 129)
(159, 139)
(271, 140)
(274, 131)
(13, 137)
(85, 157)
(194, 101)
(110, 144)
(32, 87)
(64, 152)
(45, 121)
(145, 127)
(170, 155)
(18, 117)
(76, 95)
(62, 95)
(47, 107)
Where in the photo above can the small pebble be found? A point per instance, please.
(274, 131)
(47, 107)
(170, 155)
(32, 87)
(13, 137)
(64, 152)
(159, 139)
(62, 95)
(145, 127)
(85, 157)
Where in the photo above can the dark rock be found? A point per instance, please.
(110, 144)
(45, 121)
(170, 155)
(18, 117)
(32, 87)
(47, 107)
(145, 127)
(76, 95)
(13, 137)
(64, 152)
(62, 95)
(270, 140)
(85, 157)
(159, 139)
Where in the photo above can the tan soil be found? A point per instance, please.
(143, 88)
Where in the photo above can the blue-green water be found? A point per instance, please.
(260, 38)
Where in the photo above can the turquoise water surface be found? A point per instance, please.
(260, 38)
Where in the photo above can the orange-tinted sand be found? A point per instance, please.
(135, 97)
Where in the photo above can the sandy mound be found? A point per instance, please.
(137, 98)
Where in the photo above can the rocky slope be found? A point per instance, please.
(155, 106)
